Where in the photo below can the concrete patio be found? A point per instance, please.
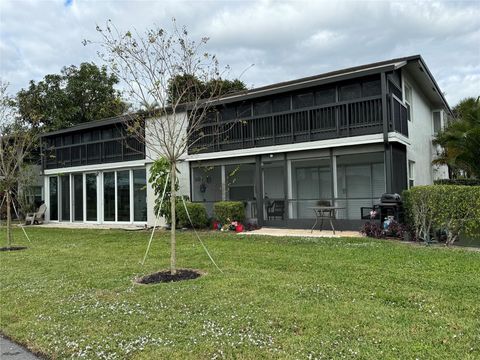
(302, 233)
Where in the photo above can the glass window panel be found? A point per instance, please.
(436, 122)
(326, 96)
(91, 190)
(53, 198)
(123, 195)
(350, 92)
(78, 197)
(302, 100)
(140, 195)
(281, 104)
(109, 196)
(65, 198)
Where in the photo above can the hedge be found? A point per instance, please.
(466, 182)
(454, 209)
(197, 212)
(227, 211)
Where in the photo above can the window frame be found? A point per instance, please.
(411, 174)
(408, 103)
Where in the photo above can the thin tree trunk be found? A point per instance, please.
(9, 220)
(173, 240)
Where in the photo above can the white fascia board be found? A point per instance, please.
(320, 144)
(313, 145)
(96, 167)
(397, 137)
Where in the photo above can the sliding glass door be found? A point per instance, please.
(109, 196)
(123, 195)
(53, 198)
(139, 195)
(65, 197)
(91, 196)
(78, 197)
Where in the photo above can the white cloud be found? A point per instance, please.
(284, 40)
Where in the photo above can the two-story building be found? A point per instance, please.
(344, 137)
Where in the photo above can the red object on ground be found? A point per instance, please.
(239, 228)
(215, 225)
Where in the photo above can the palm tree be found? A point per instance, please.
(460, 140)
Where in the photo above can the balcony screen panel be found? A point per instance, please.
(350, 92)
(65, 197)
(53, 197)
(281, 104)
(109, 196)
(262, 107)
(107, 134)
(123, 195)
(91, 194)
(244, 110)
(78, 197)
(302, 100)
(326, 96)
(228, 113)
(371, 88)
(139, 195)
(241, 182)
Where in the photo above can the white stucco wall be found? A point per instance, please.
(420, 133)
(154, 151)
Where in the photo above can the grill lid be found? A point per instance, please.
(391, 198)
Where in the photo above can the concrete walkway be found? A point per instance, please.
(11, 351)
(74, 225)
(301, 233)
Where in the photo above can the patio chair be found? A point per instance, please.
(276, 209)
(36, 217)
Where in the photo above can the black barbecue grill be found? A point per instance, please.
(390, 205)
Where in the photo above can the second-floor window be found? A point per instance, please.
(437, 122)
(408, 101)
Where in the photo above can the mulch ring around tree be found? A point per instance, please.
(12, 248)
(165, 276)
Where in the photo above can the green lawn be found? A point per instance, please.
(70, 294)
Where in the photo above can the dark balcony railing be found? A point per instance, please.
(94, 152)
(341, 119)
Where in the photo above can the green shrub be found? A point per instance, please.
(226, 211)
(454, 209)
(197, 212)
(466, 182)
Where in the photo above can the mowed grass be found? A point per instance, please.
(70, 295)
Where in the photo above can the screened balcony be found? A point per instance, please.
(327, 112)
(91, 146)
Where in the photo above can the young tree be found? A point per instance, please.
(76, 95)
(17, 140)
(169, 69)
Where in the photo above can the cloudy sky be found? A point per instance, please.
(283, 40)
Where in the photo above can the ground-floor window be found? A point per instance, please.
(108, 196)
